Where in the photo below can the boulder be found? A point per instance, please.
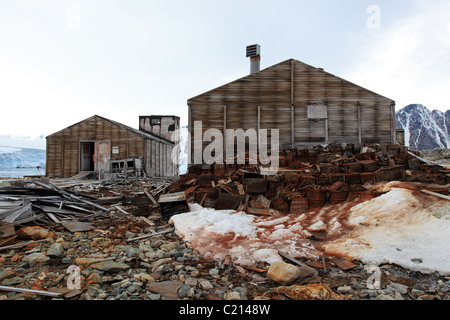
(110, 266)
(35, 258)
(55, 250)
(283, 273)
(33, 233)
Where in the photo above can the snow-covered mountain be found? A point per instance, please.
(424, 129)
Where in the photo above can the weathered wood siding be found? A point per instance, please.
(278, 98)
(63, 147)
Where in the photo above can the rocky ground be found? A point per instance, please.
(114, 266)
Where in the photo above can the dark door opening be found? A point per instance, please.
(87, 152)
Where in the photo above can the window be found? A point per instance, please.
(155, 121)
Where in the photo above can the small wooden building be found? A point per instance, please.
(308, 105)
(101, 145)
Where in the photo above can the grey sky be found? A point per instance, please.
(62, 61)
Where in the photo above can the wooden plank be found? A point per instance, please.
(258, 211)
(436, 194)
(150, 196)
(76, 226)
(154, 234)
(23, 244)
(38, 292)
(302, 265)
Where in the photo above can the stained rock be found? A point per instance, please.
(316, 291)
(283, 273)
(35, 258)
(167, 289)
(55, 250)
(33, 233)
(110, 266)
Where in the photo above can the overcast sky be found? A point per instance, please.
(62, 61)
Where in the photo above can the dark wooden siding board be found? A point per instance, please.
(271, 89)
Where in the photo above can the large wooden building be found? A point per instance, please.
(308, 105)
(101, 145)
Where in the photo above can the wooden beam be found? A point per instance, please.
(304, 266)
(431, 193)
(359, 124)
(38, 292)
(154, 234)
(150, 196)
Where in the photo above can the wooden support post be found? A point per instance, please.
(359, 124)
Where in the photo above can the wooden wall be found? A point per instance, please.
(63, 147)
(278, 98)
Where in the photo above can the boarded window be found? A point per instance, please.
(316, 112)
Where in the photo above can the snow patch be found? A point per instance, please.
(399, 228)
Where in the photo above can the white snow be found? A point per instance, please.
(400, 227)
(246, 238)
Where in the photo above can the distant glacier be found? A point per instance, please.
(22, 156)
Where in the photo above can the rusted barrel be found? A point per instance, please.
(368, 177)
(316, 197)
(353, 178)
(369, 165)
(299, 205)
(337, 197)
(280, 204)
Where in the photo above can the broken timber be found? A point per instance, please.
(38, 292)
(431, 193)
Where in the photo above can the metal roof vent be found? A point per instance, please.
(254, 52)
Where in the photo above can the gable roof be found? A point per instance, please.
(136, 131)
(280, 65)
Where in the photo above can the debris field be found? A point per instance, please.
(336, 222)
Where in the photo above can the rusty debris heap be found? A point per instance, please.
(307, 179)
(118, 231)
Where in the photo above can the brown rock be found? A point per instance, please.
(316, 291)
(167, 289)
(283, 273)
(33, 233)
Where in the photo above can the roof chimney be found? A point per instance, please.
(254, 52)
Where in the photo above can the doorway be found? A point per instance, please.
(87, 153)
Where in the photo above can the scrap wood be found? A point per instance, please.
(254, 269)
(301, 264)
(13, 214)
(227, 189)
(258, 211)
(118, 207)
(150, 223)
(436, 194)
(23, 244)
(344, 264)
(38, 292)
(203, 199)
(423, 160)
(150, 196)
(70, 195)
(8, 240)
(153, 234)
(76, 226)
